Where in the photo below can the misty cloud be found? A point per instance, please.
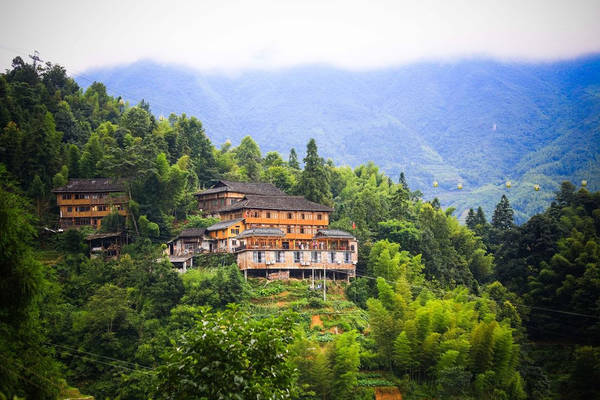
(234, 35)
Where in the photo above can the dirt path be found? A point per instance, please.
(387, 393)
(316, 321)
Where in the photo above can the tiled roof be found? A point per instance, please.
(96, 236)
(91, 185)
(224, 224)
(245, 188)
(261, 232)
(180, 259)
(192, 232)
(283, 203)
(333, 233)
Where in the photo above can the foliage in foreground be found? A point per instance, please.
(229, 355)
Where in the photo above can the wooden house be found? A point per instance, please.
(183, 262)
(225, 193)
(106, 245)
(277, 235)
(190, 241)
(298, 218)
(224, 234)
(84, 202)
(332, 253)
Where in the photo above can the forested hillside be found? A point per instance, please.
(475, 122)
(486, 310)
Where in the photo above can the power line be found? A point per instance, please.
(99, 355)
(94, 360)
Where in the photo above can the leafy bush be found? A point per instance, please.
(372, 382)
(316, 303)
(325, 337)
(298, 305)
(271, 289)
(214, 287)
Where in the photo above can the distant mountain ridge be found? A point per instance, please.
(477, 122)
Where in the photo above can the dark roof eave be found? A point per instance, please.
(224, 224)
(92, 185)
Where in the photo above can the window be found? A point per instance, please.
(319, 217)
(268, 214)
(332, 257)
(279, 256)
(290, 216)
(297, 256)
(258, 256)
(301, 229)
(256, 214)
(235, 231)
(315, 256)
(289, 229)
(69, 209)
(352, 248)
(234, 242)
(347, 257)
(66, 196)
(302, 215)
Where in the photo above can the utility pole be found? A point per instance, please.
(35, 57)
(324, 284)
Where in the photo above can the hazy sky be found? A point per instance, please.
(233, 35)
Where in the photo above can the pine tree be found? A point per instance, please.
(480, 217)
(471, 219)
(313, 182)
(293, 159)
(503, 215)
(402, 181)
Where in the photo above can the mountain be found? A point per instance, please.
(475, 122)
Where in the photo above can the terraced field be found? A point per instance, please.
(321, 319)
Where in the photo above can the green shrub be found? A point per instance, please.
(271, 289)
(298, 305)
(325, 337)
(316, 303)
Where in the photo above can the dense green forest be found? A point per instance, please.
(490, 310)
